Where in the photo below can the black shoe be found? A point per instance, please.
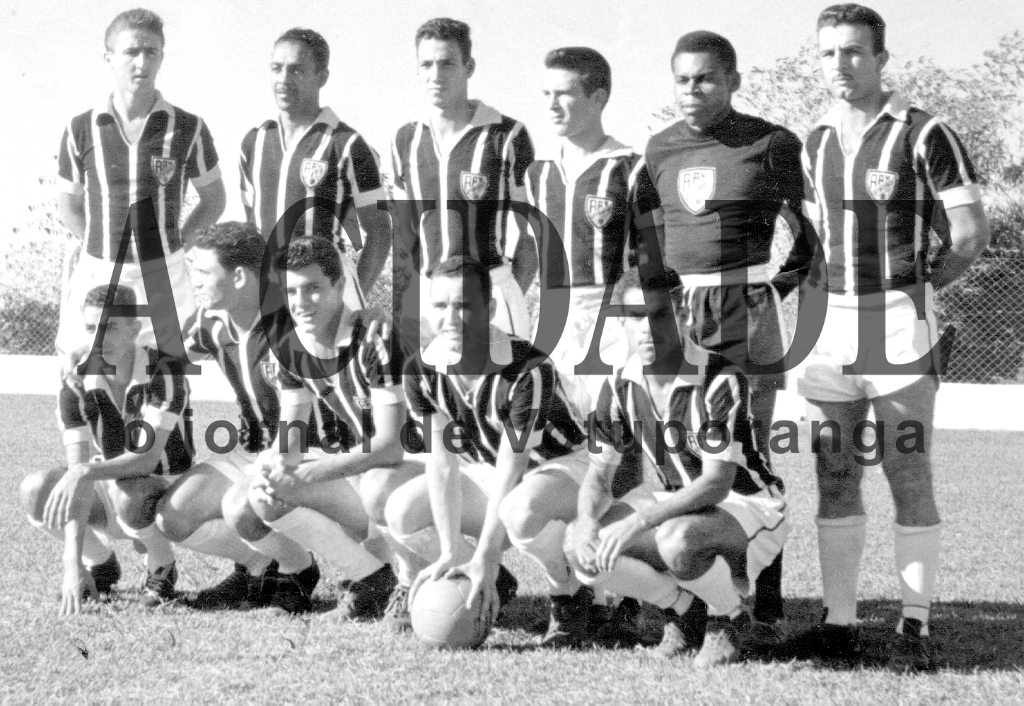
(396, 615)
(289, 597)
(105, 575)
(616, 627)
(683, 633)
(233, 590)
(721, 641)
(309, 577)
(568, 624)
(827, 641)
(159, 586)
(366, 598)
(911, 651)
(506, 585)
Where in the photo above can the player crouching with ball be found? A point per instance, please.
(696, 545)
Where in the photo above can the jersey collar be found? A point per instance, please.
(483, 114)
(139, 377)
(609, 148)
(895, 107)
(106, 107)
(326, 116)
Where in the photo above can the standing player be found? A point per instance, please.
(720, 519)
(721, 179)
(505, 455)
(359, 410)
(308, 152)
(134, 147)
(471, 160)
(225, 269)
(127, 438)
(897, 164)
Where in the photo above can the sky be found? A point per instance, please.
(216, 61)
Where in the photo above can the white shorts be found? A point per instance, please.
(107, 491)
(511, 314)
(907, 339)
(573, 465)
(91, 272)
(574, 344)
(762, 517)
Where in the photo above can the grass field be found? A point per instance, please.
(120, 653)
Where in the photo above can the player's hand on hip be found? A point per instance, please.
(614, 539)
(78, 585)
(431, 573)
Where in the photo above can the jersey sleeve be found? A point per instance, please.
(942, 160)
(518, 157)
(73, 424)
(646, 220)
(812, 205)
(726, 397)
(247, 183)
(362, 169)
(398, 146)
(417, 391)
(529, 403)
(375, 368)
(199, 341)
(786, 173)
(607, 414)
(166, 399)
(202, 168)
(70, 168)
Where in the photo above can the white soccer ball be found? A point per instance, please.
(440, 618)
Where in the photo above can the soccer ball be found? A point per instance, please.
(440, 619)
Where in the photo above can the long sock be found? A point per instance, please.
(216, 538)
(426, 544)
(291, 557)
(95, 549)
(546, 549)
(407, 563)
(159, 550)
(917, 562)
(638, 579)
(840, 549)
(717, 589)
(322, 535)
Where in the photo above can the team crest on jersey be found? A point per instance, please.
(692, 444)
(696, 186)
(599, 210)
(362, 402)
(269, 370)
(163, 169)
(473, 185)
(880, 184)
(312, 171)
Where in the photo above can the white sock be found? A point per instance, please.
(95, 547)
(159, 550)
(638, 579)
(322, 535)
(291, 557)
(546, 549)
(426, 544)
(214, 537)
(840, 548)
(407, 564)
(917, 562)
(717, 589)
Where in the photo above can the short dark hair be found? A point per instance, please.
(139, 18)
(594, 70)
(704, 42)
(853, 14)
(237, 244)
(313, 41)
(661, 281)
(106, 295)
(305, 251)
(446, 29)
(458, 266)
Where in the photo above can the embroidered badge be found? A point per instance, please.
(696, 186)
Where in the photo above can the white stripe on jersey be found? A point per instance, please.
(101, 174)
(602, 191)
(161, 210)
(257, 169)
(415, 188)
(884, 160)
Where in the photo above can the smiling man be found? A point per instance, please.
(722, 179)
(133, 147)
(307, 152)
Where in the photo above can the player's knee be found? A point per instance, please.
(406, 512)
(522, 515)
(374, 494)
(172, 522)
(34, 489)
(681, 543)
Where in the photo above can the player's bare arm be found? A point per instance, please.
(212, 200)
(78, 584)
(594, 501)
(71, 211)
(969, 235)
(376, 229)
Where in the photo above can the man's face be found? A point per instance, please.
(849, 66)
(703, 88)
(120, 335)
(650, 328)
(314, 302)
(214, 285)
(570, 110)
(134, 59)
(294, 77)
(452, 308)
(444, 74)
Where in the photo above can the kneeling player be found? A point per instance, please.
(105, 493)
(520, 447)
(334, 365)
(694, 547)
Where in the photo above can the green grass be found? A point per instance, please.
(119, 652)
